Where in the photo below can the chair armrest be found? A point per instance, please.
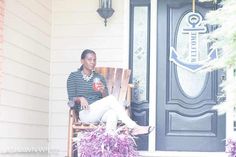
(130, 85)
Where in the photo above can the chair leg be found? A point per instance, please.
(75, 152)
(70, 135)
(69, 149)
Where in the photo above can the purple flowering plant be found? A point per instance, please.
(99, 143)
(231, 147)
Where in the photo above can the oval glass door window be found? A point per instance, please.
(192, 83)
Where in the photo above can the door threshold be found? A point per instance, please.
(181, 154)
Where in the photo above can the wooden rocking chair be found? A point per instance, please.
(118, 85)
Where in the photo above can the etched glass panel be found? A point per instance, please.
(140, 40)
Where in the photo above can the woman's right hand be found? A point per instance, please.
(83, 102)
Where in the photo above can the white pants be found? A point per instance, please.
(108, 110)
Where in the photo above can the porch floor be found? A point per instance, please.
(181, 154)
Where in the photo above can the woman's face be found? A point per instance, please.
(89, 62)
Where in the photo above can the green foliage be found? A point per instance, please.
(224, 37)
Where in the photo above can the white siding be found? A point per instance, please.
(77, 26)
(24, 105)
(1, 38)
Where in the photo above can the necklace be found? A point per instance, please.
(85, 77)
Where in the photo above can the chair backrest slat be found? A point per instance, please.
(124, 84)
(117, 82)
(110, 79)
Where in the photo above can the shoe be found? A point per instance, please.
(141, 131)
(150, 129)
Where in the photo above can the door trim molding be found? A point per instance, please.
(153, 70)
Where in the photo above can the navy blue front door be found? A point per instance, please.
(185, 118)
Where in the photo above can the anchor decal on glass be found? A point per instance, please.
(194, 29)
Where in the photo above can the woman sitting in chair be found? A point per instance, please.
(93, 102)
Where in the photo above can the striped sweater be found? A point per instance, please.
(78, 87)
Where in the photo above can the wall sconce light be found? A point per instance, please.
(105, 9)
